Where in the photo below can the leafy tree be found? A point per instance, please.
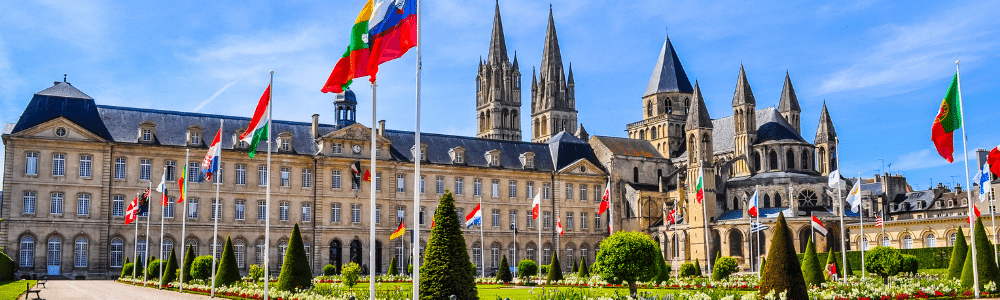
(883, 261)
(392, 267)
(555, 270)
(126, 269)
(783, 272)
(256, 273)
(228, 272)
(584, 269)
(202, 267)
(446, 259)
(527, 268)
(724, 267)
(958, 256)
(697, 267)
(349, 275)
(909, 264)
(329, 270)
(688, 270)
(812, 272)
(295, 271)
(628, 256)
(986, 264)
(170, 270)
(189, 257)
(504, 273)
(544, 269)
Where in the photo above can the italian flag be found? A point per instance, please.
(257, 130)
(701, 186)
(949, 119)
(354, 62)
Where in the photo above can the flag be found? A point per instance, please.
(401, 230)
(605, 200)
(368, 175)
(356, 174)
(257, 130)
(983, 179)
(392, 30)
(976, 209)
(834, 179)
(132, 212)
(354, 62)
(701, 186)
(878, 221)
(144, 203)
(535, 205)
(755, 227)
(854, 197)
(948, 119)
(818, 226)
(475, 217)
(994, 160)
(670, 216)
(210, 165)
(182, 186)
(162, 188)
(559, 225)
(753, 205)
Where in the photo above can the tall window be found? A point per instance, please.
(495, 188)
(378, 213)
(355, 213)
(423, 212)
(56, 203)
(166, 247)
(512, 189)
(335, 212)
(459, 185)
(583, 193)
(495, 255)
(59, 164)
(547, 254)
(864, 244)
(597, 193)
(512, 215)
(569, 220)
(583, 221)
(529, 251)
(240, 211)
(335, 180)
(117, 247)
(477, 256)
(569, 191)
(547, 220)
(530, 220)
(28, 203)
(145, 168)
(80, 253)
(260, 253)
(241, 174)
(439, 184)
(400, 213)
(306, 212)
(168, 210)
(261, 210)
(31, 163)
(262, 175)
(597, 222)
(421, 185)
(477, 187)
(194, 172)
(83, 204)
(529, 190)
(192, 208)
(240, 249)
(885, 241)
(495, 214)
(120, 168)
(118, 206)
(283, 211)
(140, 249)
(27, 253)
(285, 181)
(307, 178)
(170, 168)
(951, 239)
(86, 161)
(147, 135)
(216, 209)
(378, 181)
(545, 190)
(907, 242)
(931, 241)
(400, 183)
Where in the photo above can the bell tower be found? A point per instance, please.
(498, 90)
(745, 123)
(700, 161)
(553, 101)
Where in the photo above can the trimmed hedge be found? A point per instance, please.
(6, 268)
(927, 258)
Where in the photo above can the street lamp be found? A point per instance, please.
(513, 227)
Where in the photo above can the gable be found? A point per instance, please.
(354, 132)
(51, 129)
(582, 167)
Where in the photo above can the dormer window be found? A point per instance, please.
(147, 135)
(194, 135)
(493, 157)
(147, 129)
(285, 145)
(457, 155)
(195, 138)
(285, 141)
(423, 151)
(528, 160)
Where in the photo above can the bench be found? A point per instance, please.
(43, 280)
(30, 291)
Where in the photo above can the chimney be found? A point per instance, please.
(315, 126)
(381, 127)
(958, 188)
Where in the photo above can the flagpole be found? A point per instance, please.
(861, 216)
(993, 216)
(371, 215)
(756, 241)
(965, 148)
(812, 235)
(416, 196)
(843, 247)
(482, 241)
(539, 226)
(145, 275)
(163, 208)
(187, 156)
(217, 209)
(267, 197)
(673, 260)
(704, 212)
(135, 250)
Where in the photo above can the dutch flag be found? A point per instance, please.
(475, 217)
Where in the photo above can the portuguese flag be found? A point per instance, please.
(354, 62)
(701, 186)
(949, 119)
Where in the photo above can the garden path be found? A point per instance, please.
(106, 289)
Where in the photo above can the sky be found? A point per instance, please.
(882, 67)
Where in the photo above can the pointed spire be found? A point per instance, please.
(551, 58)
(515, 60)
(698, 115)
(743, 95)
(570, 79)
(789, 102)
(581, 133)
(668, 74)
(498, 46)
(825, 133)
(534, 79)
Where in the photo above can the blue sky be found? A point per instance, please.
(882, 67)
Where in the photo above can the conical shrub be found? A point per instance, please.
(126, 270)
(663, 270)
(504, 273)
(812, 272)
(295, 271)
(986, 266)
(958, 253)
(228, 272)
(170, 269)
(574, 270)
(392, 267)
(555, 270)
(783, 272)
(584, 269)
(189, 256)
(445, 271)
(833, 257)
(697, 268)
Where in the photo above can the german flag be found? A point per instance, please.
(399, 231)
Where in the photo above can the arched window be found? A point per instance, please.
(117, 247)
(80, 253)
(27, 254)
(863, 244)
(705, 140)
(652, 133)
(260, 250)
(773, 160)
(767, 201)
(282, 248)
(569, 254)
(885, 241)
(735, 243)
(356, 252)
(166, 247)
(649, 109)
(930, 241)
(240, 249)
(690, 148)
(951, 239)
(789, 160)
(777, 200)
(907, 242)
(736, 203)
(335, 254)
(140, 249)
(805, 160)
(477, 256)
(756, 161)
(821, 160)
(378, 256)
(669, 105)
(55, 252)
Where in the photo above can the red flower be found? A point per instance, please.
(967, 293)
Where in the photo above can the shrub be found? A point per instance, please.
(126, 269)
(202, 267)
(688, 270)
(584, 269)
(544, 269)
(812, 272)
(724, 267)
(697, 268)
(392, 267)
(189, 257)
(629, 257)
(6, 267)
(783, 272)
(987, 265)
(153, 268)
(527, 268)
(504, 273)
(329, 270)
(663, 270)
(295, 270)
(446, 259)
(555, 270)
(575, 268)
(958, 256)
(170, 269)
(228, 272)
(349, 275)
(883, 261)
(908, 264)
(409, 269)
(255, 273)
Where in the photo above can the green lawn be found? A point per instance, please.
(14, 289)
(496, 291)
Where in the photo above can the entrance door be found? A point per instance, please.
(54, 259)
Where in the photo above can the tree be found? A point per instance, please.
(724, 266)
(584, 269)
(202, 267)
(170, 270)
(446, 259)
(152, 268)
(986, 264)
(329, 270)
(812, 272)
(575, 268)
(504, 273)
(527, 268)
(256, 273)
(663, 270)
(688, 270)
(295, 271)
(697, 268)
(909, 264)
(555, 270)
(833, 257)
(392, 267)
(883, 261)
(228, 272)
(189, 257)
(350, 274)
(629, 257)
(783, 272)
(958, 256)
(126, 270)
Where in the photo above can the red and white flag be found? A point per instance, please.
(818, 226)
(132, 212)
(535, 205)
(210, 165)
(670, 216)
(878, 221)
(559, 225)
(605, 200)
(994, 160)
(976, 209)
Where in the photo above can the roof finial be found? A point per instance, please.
(64, 77)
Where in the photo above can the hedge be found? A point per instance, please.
(927, 258)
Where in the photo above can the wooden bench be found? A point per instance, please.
(30, 291)
(43, 280)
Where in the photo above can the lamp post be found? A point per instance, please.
(513, 227)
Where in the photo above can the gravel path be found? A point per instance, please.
(105, 289)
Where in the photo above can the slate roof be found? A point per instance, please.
(668, 73)
(64, 90)
(629, 147)
(925, 198)
(722, 135)
(475, 149)
(731, 215)
(788, 102)
(62, 100)
(566, 148)
(875, 187)
(698, 116)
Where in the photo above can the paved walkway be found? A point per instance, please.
(105, 289)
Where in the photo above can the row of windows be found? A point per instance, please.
(58, 164)
(512, 250)
(56, 202)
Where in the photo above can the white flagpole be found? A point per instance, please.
(843, 247)
(862, 247)
(145, 275)
(267, 195)
(371, 192)
(217, 213)
(482, 241)
(993, 216)
(965, 148)
(756, 241)
(416, 196)
(187, 156)
(812, 235)
(162, 210)
(673, 251)
(539, 226)
(135, 250)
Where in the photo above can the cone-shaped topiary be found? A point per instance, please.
(986, 264)
(555, 270)
(833, 257)
(783, 273)
(445, 271)
(295, 271)
(663, 270)
(228, 272)
(392, 267)
(697, 268)
(958, 256)
(848, 270)
(504, 273)
(812, 272)
(126, 271)
(170, 269)
(186, 275)
(627, 256)
(584, 269)
(575, 268)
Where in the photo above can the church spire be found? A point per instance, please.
(668, 74)
(552, 65)
(789, 102)
(743, 95)
(498, 46)
(698, 116)
(825, 133)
